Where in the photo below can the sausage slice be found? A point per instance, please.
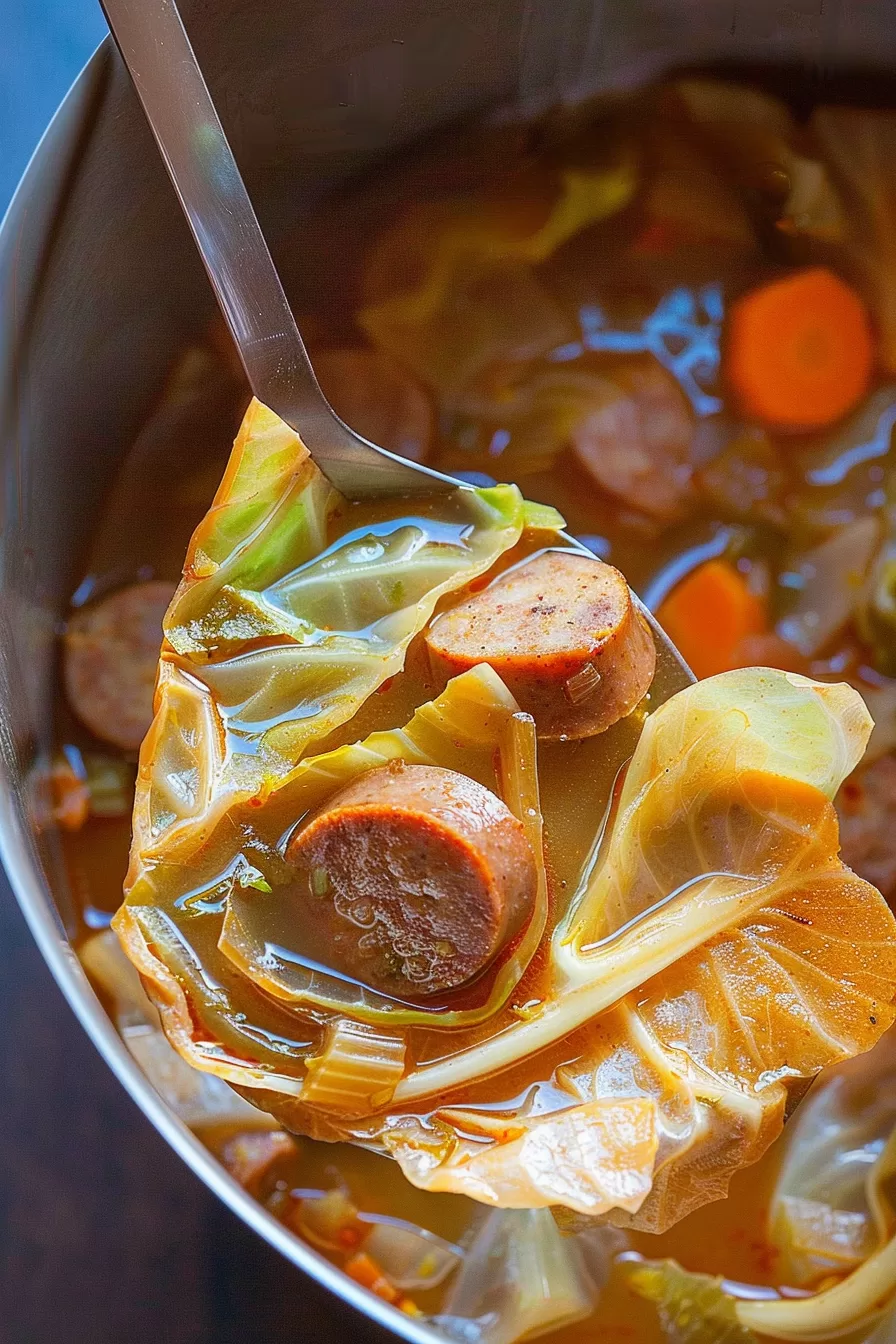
(563, 633)
(373, 394)
(111, 654)
(637, 442)
(414, 878)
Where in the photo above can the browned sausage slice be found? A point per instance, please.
(563, 633)
(378, 398)
(637, 442)
(110, 659)
(415, 878)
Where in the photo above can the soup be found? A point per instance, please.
(670, 321)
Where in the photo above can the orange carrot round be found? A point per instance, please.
(709, 615)
(799, 351)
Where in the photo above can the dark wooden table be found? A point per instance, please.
(105, 1236)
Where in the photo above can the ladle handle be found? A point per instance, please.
(159, 56)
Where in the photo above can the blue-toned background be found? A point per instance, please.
(43, 44)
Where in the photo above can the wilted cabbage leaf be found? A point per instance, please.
(859, 1300)
(754, 136)
(757, 958)
(876, 611)
(832, 1213)
(294, 607)
(520, 1278)
(860, 146)
(824, 1217)
(471, 297)
(715, 948)
(835, 577)
(199, 1099)
(254, 928)
(473, 726)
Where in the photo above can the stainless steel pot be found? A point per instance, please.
(100, 288)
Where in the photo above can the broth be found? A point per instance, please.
(635, 307)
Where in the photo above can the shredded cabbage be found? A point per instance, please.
(475, 299)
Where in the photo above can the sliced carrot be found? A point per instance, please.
(709, 615)
(70, 796)
(799, 351)
(365, 1270)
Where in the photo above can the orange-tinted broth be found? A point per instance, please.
(729, 1237)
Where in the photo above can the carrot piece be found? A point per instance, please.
(365, 1270)
(70, 796)
(799, 351)
(709, 615)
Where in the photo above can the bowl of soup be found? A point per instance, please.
(508, 975)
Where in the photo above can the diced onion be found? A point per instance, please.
(356, 1071)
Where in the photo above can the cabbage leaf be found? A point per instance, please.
(295, 606)
(715, 950)
(520, 1278)
(860, 146)
(824, 1217)
(832, 1213)
(474, 721)
(475, 299)
(752, 135)
(474, 726)
(856, 1302)
(198, 1099)
(719, 950)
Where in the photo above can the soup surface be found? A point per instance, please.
(673, 321)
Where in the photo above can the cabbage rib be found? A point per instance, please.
(755, 738)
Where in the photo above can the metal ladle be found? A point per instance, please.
(159, 56)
